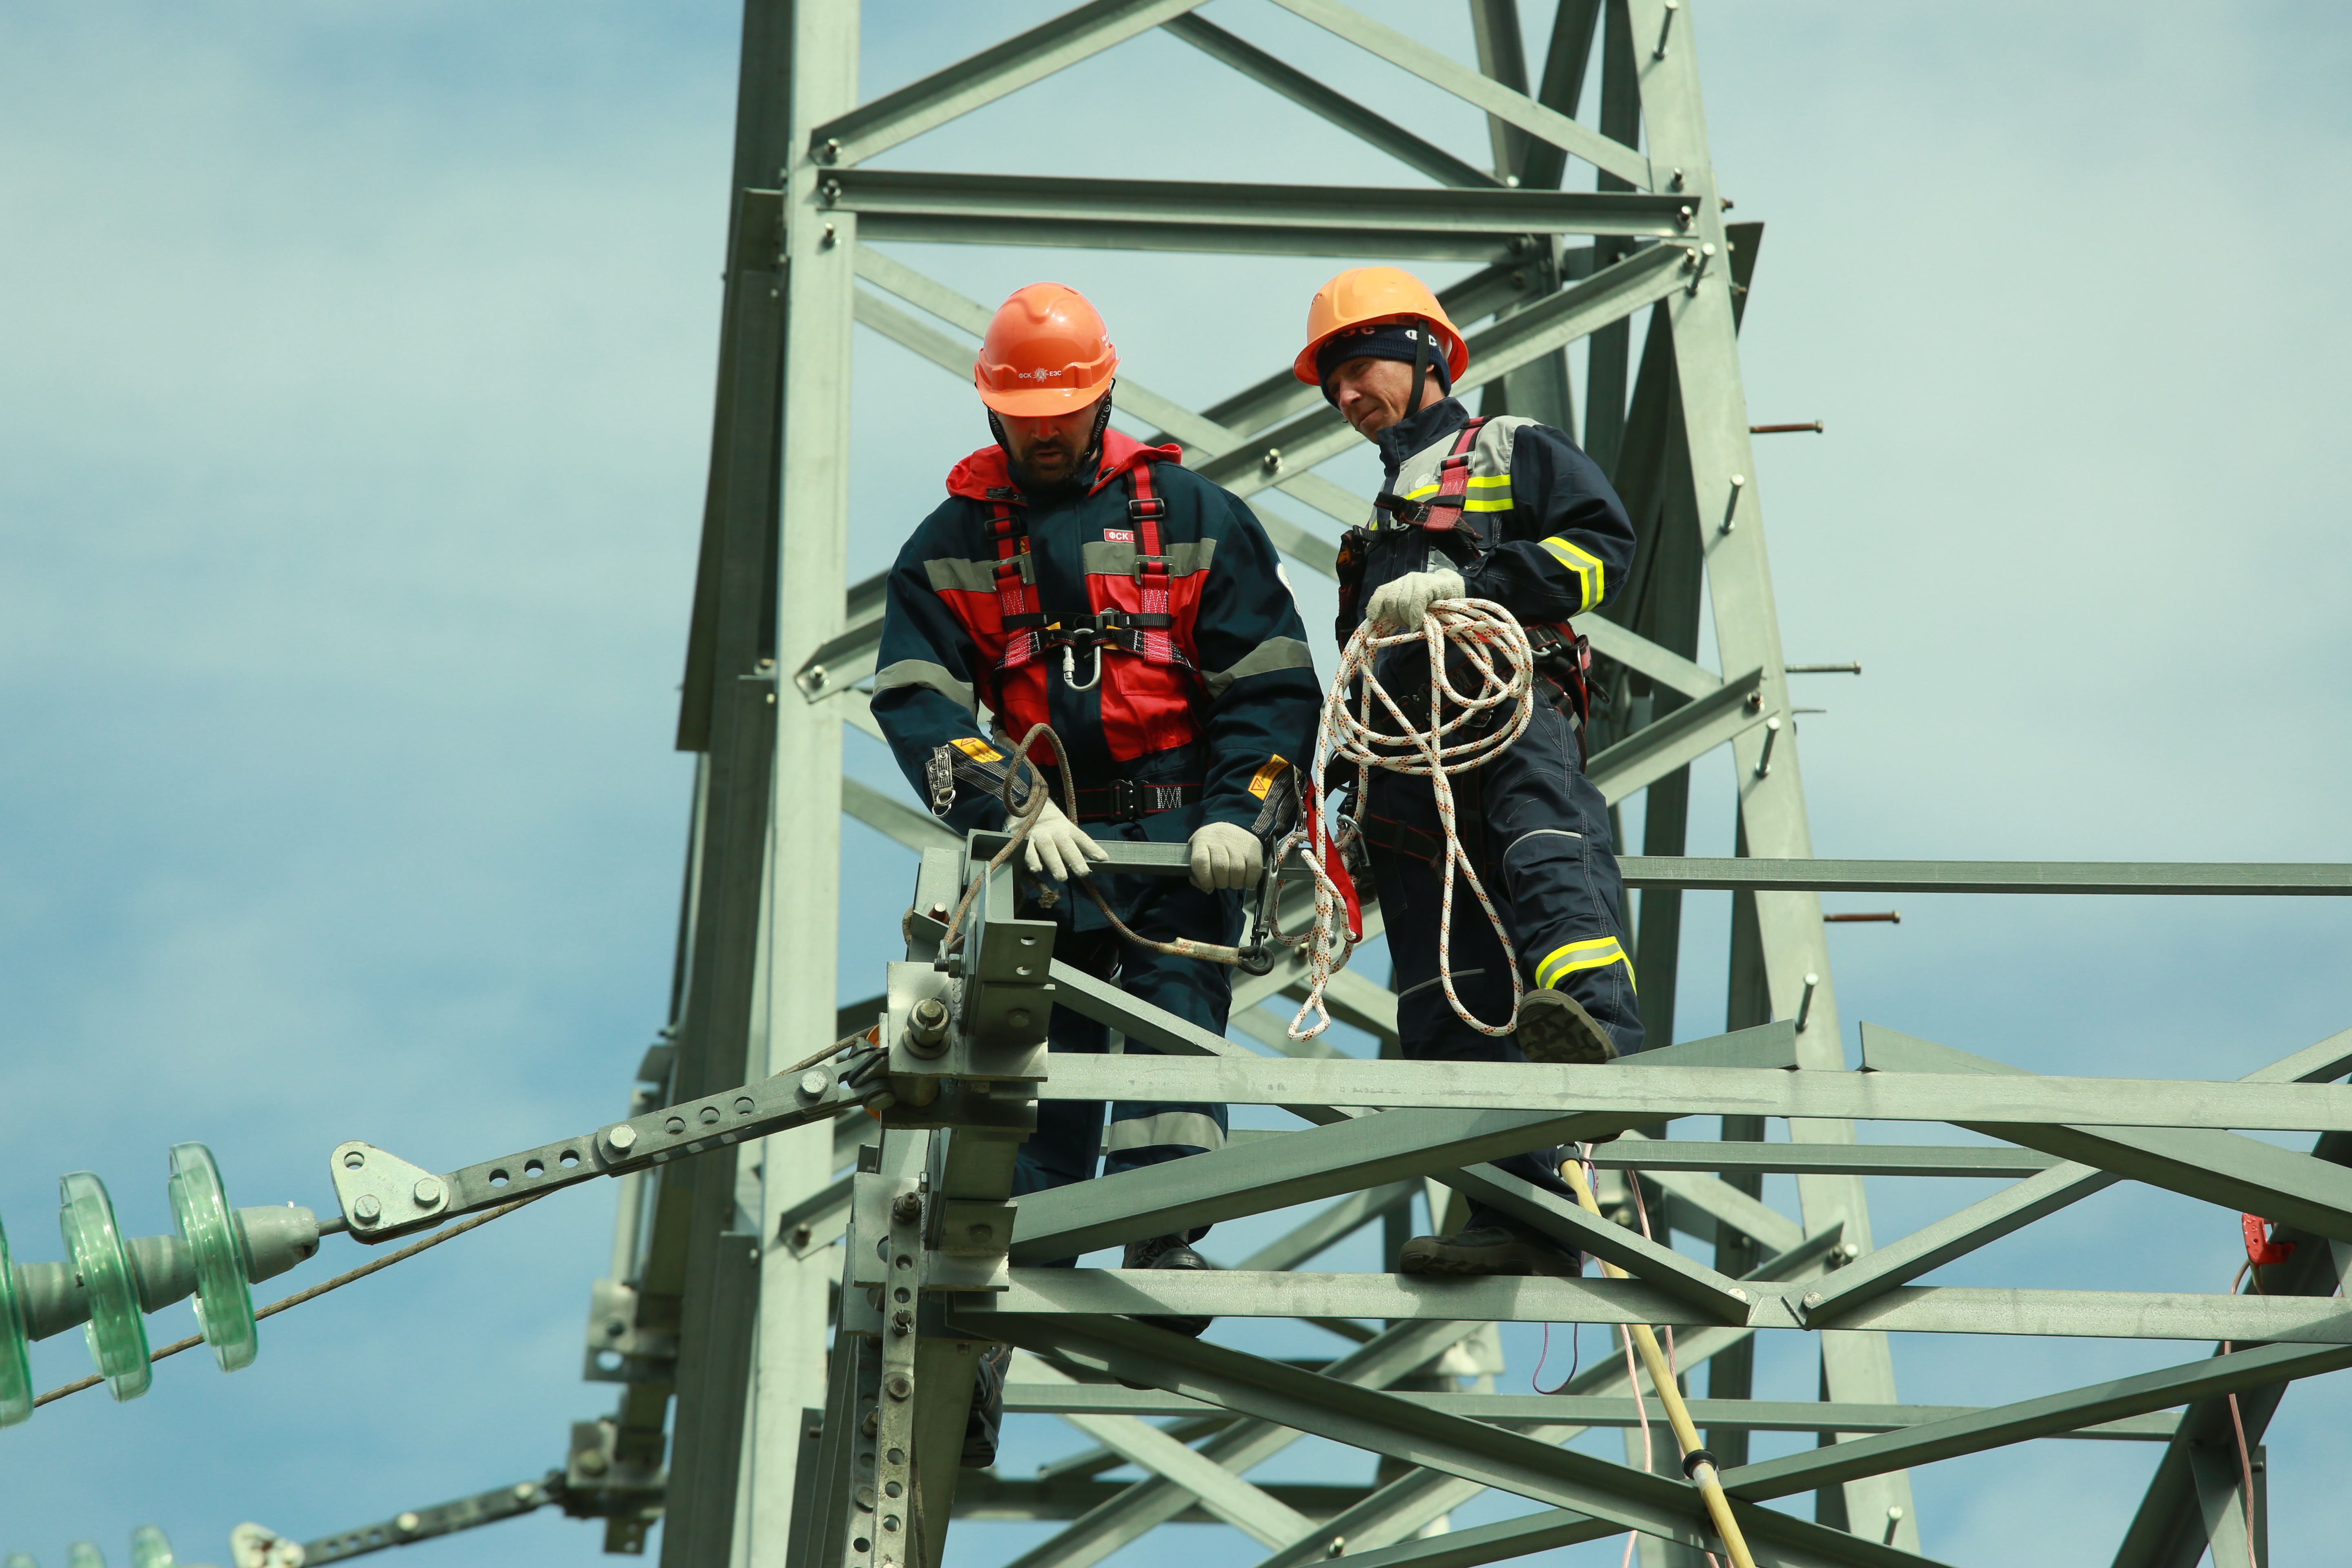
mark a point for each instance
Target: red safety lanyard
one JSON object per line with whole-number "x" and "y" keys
{"x": 1016, "y": 596}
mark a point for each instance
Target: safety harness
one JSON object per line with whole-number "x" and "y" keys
{"x": 1148, "y": 634}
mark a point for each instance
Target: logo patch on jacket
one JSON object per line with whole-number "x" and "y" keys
{"x": 1119, "y": 536}
{"x": 1263, "y": 779}
{"x": 978, "y": 751}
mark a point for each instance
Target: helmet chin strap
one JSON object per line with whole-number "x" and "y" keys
{"x": 1087, "y": 458}
{"x": 1420, "y": 365}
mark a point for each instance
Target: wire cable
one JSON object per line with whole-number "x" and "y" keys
{"x": 315, "y": 1291}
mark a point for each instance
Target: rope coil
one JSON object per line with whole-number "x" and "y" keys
{"x": 1461, "y": 733}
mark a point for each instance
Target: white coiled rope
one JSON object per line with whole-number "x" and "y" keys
{"x": 1496, "y": 647}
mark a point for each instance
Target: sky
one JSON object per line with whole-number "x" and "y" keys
{"x": 355, "y": 378}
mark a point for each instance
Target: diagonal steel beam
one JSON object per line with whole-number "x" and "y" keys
{"x": 2219, "y": 1167}
{"x": 1441, "y": 70}
{"x": 1804, "y": 875}
{"x": 1400, "y": 1351}
{"x": 981, "y": 79}
{"x": 1414, "y": 1499}
{"x": 1679, "y": 739}
{"x": 1367, "y": 1418}
{"x": 1549, "y": 323}
{"x": 1223, "y": 1492}
{"x": 1310, "y": 93}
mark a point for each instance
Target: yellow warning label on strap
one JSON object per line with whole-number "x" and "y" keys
{"x": 977, "y": 749}
{"x": 1263, "y": 779}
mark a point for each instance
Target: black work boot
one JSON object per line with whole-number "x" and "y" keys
{"x": 987, "y": 1417}
{"x": 1168, "y": 1252}
{"x": 1480, "y": 1249}
{"x": 1555, "y": 1029}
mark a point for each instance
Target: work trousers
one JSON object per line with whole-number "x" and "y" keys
{"x": 1538, "y": 831}
{"x": 1142, "y": 1132}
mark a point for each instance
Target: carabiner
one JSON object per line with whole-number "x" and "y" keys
{"x": 1070, "y": 668}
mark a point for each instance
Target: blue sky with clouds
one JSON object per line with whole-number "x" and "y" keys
{"x": 355, "y": 375}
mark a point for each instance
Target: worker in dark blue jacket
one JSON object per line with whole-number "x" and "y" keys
{"x": 1509, "y": 511}
{"x": 1075, "y": 577}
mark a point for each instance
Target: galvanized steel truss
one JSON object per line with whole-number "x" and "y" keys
{"x": 782, "y": 1452}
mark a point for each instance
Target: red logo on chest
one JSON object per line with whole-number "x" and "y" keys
{"x": 1119, "y": 536}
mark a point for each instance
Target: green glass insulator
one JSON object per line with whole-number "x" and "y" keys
{"x": 116, "y": 1332}
{"x": 15, "y": 1363}
{"x": 150, "y": 1548}
{"x": 85, "y": 1553}
{"x": 215, "y": 1240}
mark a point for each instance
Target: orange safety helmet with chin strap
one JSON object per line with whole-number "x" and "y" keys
{"x": 1364, "y": 296}
{"x": 1047, "y": 352}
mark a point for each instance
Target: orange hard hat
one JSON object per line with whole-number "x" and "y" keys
{"x": 1046, "y": 351}
{"x": 1362, "y": 295}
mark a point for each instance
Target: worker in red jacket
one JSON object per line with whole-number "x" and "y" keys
{"x": 1075, "y": 577}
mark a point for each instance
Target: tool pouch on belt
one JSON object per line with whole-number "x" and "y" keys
{"x": 1355, "y": 549}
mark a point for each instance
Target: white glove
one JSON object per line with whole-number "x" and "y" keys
{"x": 1404, "y": 601}
{"x": 1057, "y": 849}
{"x": 1225, "y": 856}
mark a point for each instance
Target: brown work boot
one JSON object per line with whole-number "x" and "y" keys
{"x": 1554, "y": 1028}
{"x": 1483, "y": 1250}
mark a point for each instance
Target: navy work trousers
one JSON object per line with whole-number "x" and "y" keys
{"x": 1069, "y": 1133}
{"x": 1538, "y": 831}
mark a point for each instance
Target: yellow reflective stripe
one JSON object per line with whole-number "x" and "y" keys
{"x": 1476, "y": 483}
{"x": 1590, "y": 573}
{"x": 1598, "y": 953}
{"x": 1497, "y": 503}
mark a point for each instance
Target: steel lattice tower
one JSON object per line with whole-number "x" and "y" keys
{"x": 768, "y": 1456}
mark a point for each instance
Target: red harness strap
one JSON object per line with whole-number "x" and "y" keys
{"x": 1445, "y": 509}
{"x": 1155, "y": 641}
{"x": 1016, "y": 597}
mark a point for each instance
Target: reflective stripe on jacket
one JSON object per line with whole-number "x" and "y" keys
{"x": 1553, "y": 538}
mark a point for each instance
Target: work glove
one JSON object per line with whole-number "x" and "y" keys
{"x": 1225, "y": 856}
{"x": 1057, "y": 849}
{"x": 1404, "y": 601}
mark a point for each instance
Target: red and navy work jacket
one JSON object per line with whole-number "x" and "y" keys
{"x": 1145, "y": 619}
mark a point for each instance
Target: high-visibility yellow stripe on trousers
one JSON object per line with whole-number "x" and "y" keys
{"x": 1598, "y": 953}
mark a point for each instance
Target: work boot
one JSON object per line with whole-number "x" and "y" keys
{"x": 1483, "y": 1249}
{"x": 987, "y": 1417}
{"x": 1168, "y": 1252}
{"x": 1554, "y": 1028}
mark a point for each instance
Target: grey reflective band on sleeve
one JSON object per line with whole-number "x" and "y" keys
{"x": 949, "y": 575}
{"x": 1275, "y": 653}
{"x": 931, "y": 677}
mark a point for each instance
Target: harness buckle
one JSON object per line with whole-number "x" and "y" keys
{"x": 1143, "y": 560}
{"x": 1130, "y": 801}
{"x": 1147, "y": 509}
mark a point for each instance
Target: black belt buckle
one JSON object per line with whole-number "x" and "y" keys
{"x": 1128, "y": 800}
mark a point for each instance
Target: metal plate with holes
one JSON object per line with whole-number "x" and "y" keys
{"x": 382, "y": 1193}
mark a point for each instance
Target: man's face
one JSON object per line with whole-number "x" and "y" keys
{"x": 1372, "y": 393}
{"x": 1047, "y": 447}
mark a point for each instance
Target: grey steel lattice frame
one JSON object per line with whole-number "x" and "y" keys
{"x": 729, "y": 1307}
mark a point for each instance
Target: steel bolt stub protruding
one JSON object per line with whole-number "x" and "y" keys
{"x": 621, "y": 1138}
{"x": 366, "y": 1210}
{"x": 899, "y": 1385}
{"x": 427, "y": 1192}
{"x": 814, "y": 1082}
{"x": 907, "y": 1209}
{"x": 927, "y": 1026}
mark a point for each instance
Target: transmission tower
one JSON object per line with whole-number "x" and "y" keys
{"x": 820, "y": 1390}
